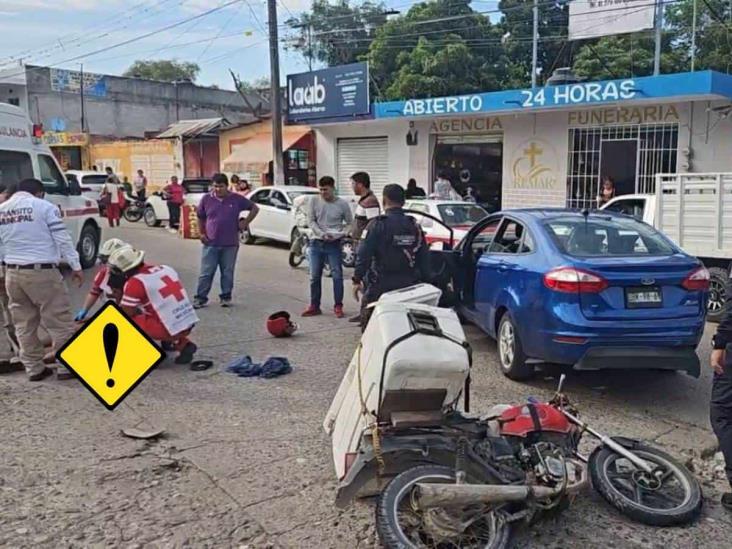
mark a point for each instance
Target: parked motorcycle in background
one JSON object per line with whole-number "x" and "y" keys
{"x": 446, "y": 478}
{"x": 134, "y": 208}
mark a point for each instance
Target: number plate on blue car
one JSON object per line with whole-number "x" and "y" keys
{"x": 643, "y": 297}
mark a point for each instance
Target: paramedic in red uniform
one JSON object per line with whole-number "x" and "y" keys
{"x": 154, "y": 297}
{"x": 101, "y": 284}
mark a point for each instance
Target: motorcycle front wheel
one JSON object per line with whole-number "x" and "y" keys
{"x": 671, "y": 496}
{"x": 295, "y": 259}
{"x": 401, "y": 524}
{"x": 132, "y": 214}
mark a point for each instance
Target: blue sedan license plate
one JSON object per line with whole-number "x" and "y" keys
{"x": 638, "y": 298}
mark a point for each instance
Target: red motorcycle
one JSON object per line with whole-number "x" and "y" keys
{"x": 466, "y": 482}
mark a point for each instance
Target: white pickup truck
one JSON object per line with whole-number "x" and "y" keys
{"x": 22, "y": 155}
{"x": 695, "y": 211}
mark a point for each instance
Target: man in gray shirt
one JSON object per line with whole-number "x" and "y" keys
{"x": 329, "y": 218}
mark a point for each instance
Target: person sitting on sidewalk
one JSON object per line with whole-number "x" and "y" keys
{"x": 101, "y": 283}
{"x": 155, "y": 299}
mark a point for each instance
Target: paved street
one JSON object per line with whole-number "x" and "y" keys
{"x": 245, "y": 461}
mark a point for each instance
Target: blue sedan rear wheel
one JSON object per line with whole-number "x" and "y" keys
{"x": 511, "y": 357}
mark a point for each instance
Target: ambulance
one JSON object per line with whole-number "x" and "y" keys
{"x": 23, "y": 155}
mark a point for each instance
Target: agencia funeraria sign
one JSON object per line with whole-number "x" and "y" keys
{"x": 593, "y": 18}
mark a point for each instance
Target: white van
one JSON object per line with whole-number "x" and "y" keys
{"x": 22, "y": 155}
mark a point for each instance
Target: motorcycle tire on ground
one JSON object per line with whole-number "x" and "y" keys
{"x": 349, "y": 254}
{"x": 677, "y": 500}
{"x": 398, "y": 492}
{"x": 133, "y": 215}
{"x": 295, "y": 259}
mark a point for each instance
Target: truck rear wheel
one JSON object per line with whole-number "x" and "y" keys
{"x": 88, "y": 246}
{"x": 717, "y": 293}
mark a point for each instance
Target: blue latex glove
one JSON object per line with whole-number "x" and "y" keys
{"x": 80, "y": 315}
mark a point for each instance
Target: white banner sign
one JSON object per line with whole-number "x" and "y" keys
{"x": 593, "y": 18}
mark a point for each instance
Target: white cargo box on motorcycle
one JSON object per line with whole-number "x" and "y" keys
{"x": 413, "y": 359}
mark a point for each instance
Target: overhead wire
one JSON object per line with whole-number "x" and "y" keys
{"x": 142, "y": 36}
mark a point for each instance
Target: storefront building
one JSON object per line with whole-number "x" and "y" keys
{"x": 246, "y": 151}
{"x": 542, "y": 147}
{"x": 158, "y": 158}
{"x": 70, "y": 149}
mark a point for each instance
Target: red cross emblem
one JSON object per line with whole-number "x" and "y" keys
{"x": 172, "y": 287}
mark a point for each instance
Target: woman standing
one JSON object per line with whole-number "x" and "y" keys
{"x": 240, "y": 186}
{"x": 111, "y": 195}
{"x": 607, "y": 191}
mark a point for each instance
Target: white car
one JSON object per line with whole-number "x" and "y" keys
{"x": 276, "y": 219}
{"x": 156, "y": 207}
{"x": 459, "y": 216}
{"x": 91, "y": 183}
{"x": 22, "y": 155}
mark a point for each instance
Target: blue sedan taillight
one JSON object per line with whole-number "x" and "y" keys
{"x": 574, "y": 281}
{"x": 698, "y": 280}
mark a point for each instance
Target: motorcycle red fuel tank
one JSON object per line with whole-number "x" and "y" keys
{"x": 519, "y": 421}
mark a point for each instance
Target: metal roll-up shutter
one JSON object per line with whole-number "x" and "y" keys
{"x": 369, "y": 155}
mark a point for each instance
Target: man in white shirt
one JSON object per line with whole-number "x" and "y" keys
{"x": 35, "y": 241}
{"x": 140, "y": 184}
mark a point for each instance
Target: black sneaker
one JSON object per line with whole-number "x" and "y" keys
{"x": 727, "y": 501}
{"x": 198, "y": 303}
{"x": 226, "y": 302}
{"x": 43, "y": 374}
{"x": 186, "y": 354}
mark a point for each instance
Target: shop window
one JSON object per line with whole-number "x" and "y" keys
{"x": 631, "y": 155}
{"x": 297, "y": 159}
{"x": 14, "y": 101}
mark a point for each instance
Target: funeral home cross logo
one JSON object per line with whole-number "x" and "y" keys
{"x": 534, "y": 165}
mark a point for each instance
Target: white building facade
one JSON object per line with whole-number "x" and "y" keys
{"x": 541, "y": 147}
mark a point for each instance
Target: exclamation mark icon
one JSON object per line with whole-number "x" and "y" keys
{"x": 111, "y": 339}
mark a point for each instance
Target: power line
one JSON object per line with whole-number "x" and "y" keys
{"x": 83, "y": 40}
{"x": 142, "y": 36}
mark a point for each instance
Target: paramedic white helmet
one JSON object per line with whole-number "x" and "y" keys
{"x": 109, "y": 247}
{"x": 125, "y": 259}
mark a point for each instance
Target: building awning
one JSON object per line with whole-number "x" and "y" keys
{"x": 193, "y": 128}
{"x": 255, "y": 153}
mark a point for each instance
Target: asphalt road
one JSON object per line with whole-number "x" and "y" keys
{"x": 245, "y": 463}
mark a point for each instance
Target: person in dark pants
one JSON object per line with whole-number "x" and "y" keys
{"x": 721, "y": 402}
{"x": 392, "y": 255}
{"x": 219, "y": 223}
{"x": 175, "y": 198}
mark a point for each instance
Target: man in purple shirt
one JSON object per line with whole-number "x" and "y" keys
{"x": 219, "y": 223}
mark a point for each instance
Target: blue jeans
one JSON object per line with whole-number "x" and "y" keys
{"x": 212, "y": 258}
{"x": 320, "y": 252}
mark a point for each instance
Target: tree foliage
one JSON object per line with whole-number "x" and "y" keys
{"x": 336, "y": 33}
{"x": 447, "y": 47}
{"x": 163, "y": 70}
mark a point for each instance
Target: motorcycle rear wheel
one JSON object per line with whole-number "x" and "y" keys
{"x": 674, "y": 499}
{"x": 132, "y": 214}
{"x": 400, "y": 524}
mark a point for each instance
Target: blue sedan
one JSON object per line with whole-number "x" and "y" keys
{"x": 591, "y": 290}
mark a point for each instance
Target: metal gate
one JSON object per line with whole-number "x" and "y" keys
{"x": 657, "y": 149}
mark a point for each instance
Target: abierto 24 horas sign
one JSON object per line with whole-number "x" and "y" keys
{"x": 336, "y": 92}
{"x": 670, "y": 86}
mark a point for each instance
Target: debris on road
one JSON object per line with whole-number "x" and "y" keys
{"x": 133, "y": 432}
{"x": 273, "y": 366}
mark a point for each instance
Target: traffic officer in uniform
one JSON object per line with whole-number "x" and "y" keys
{"x": 721, "y": 402}
{"x": 7, "y": 320}
{"x": 35, "y": 241}
{"x": 392, "y": 254}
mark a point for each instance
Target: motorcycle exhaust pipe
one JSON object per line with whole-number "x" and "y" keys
{"x": 460, "y": 495}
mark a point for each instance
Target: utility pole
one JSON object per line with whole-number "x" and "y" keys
{"x": 535, "y": 44}
{"x": 693, "y": 37}
{"x": 276, "y": 100}
{"x": 81, "y": 94}
{"x": 310, "y": 47}
{"x": 659, "y": 29}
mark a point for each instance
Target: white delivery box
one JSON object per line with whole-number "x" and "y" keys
{"x": 419, "y": 293}
{"x": 423, "y": 371}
